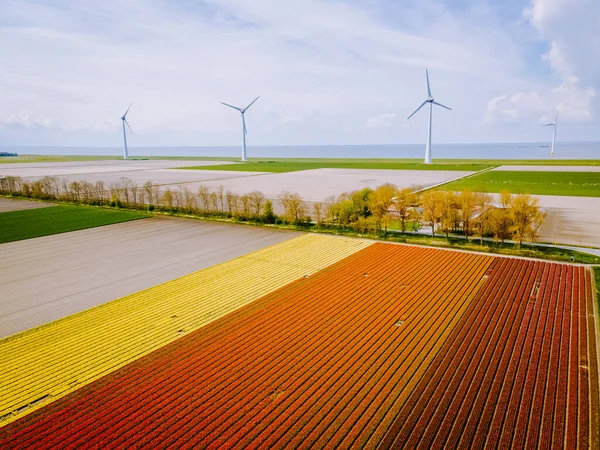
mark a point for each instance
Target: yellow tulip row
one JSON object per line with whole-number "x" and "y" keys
{"x": 43, "y": 364}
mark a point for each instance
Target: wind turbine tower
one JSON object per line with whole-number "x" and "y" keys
{"x": 553, "y": 124}
{"x": 244, "y": 131}
{"x": 124, "y": 120}
{"x": 431, "y": 102}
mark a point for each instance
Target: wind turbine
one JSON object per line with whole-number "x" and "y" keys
{"x": 431, "y": 102}
{"x": 244, "y": 131}
{"x": 124, "y": 119}
{"x": 553, "y": 124}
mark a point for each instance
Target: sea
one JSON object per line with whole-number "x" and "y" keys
{"x": 563, "y": 150}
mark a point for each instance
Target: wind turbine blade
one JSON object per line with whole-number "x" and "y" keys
{"x": 439, "y": 104}
{"x": 231, "y": 106}
{"x": 244, "y": 124}
{"x": 556, "y": 119}
{"x": 125, "y": 120}
{"x": 548, "y": 125}
{"x": 246, "y": 108}
{"x": 428, "y": 88}
{"x": 125, "y": 115}
{"x": 422, "y": 104}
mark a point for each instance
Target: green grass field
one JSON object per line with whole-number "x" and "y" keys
{"x": 292, "y": 165}
{"x": 18, "y": 225}
{"x": 574, "y": 184}
{"x": 296, "y": 164}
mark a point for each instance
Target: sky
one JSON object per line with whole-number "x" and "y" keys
{"x": 327, "y": 71}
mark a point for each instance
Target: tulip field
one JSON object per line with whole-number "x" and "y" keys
{"x": 319, "y": 342}
{"x": 46, "y": 363}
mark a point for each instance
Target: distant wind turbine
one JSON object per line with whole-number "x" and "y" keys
{"x": 553, "y": 124}
{"x": 431, "y": 102}
{"x": 244, "y": 131}
{"x": 124, "y": 119}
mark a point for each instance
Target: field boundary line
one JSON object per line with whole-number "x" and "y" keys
{"x": 455, "y": 179}
{"x": 595, "y": 330}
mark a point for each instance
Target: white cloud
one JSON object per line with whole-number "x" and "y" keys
{"x": 571, "y": 28}
{"x": 573, "y": 102}
{"x": 24, "y": 120}
{"x": 381, "y": 121}
{"x": 318, "y": 66}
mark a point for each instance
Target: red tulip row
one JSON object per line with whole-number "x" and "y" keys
{"x": 313, "y": 363}
{"x": 510, "y": 375}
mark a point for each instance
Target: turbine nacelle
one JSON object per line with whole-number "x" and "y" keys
{"x": 244, "y": 130}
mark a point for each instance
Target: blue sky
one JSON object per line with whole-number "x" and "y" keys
{"x": 328, "y": 72}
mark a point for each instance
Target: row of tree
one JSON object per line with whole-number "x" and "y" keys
{"x": 465, "y": 213}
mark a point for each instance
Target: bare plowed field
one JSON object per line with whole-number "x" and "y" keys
{"x": 47, "y": 278}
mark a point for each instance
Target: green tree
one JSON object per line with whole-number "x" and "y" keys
{"x": 269, "y": 216}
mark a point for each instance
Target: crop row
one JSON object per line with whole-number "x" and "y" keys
{"x": 53, "y": 360}
{"x": 515, "y": 371}
{"x": 325, "y": 361}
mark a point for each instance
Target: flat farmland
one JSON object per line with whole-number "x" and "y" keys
{"x": 35, "y": 222}
{"x": 317, "y": 185}
{"x": 571, "y": 220}
{"x": 50, "y": 277}
{"x": 573, "y": 184}
{"x": 519, "y": 371}
{"x": 40, "y": 169}
{"x": 390, "y": 346}
{"x": 46, "y": 363}
{"x": 9, "y": 204}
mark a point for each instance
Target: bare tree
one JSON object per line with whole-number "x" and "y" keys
{"x": 152, "y": 193}
{"x": 232, "y": 202}
{"x": 483, "y": 214}
{"x": 331, "y": 209}
{"x": 246, "y": 205}
{"x": 294, "y": 206}
{"x": 404, "y": 202}
{"x": 167, "y": 198}
{"x": 190, "y": 201}
{"x": 502, "y": 219}
{"x": 448, "y": 211}
{"x": 318, "y": 212}
{"x": 204, "y": 195}
{"x": 380, "y": 202}
{"x": 75, "y": 189}
{"x": 466, "y": 203}
{"x": 526, "y": 216}
{"x": 221, "y": 198}
{"x": 257, "y": 200}
{"x": 431, "y": 201}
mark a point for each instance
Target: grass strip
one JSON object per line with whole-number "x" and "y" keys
{"x": 284, "y": 165}
{"x": 27, "y": 224}
{"x": 574, "y": 184}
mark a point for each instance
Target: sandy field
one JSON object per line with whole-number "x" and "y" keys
{"x": 47, "y": 278}
{"x": 571, "y": 220}
{"x": 549, "y": 168}
{"x": 316, "y": 185}
{"x": 156, "y": 176}
{"x": 7, "y": 204}
{"x": 87, "y": 167}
